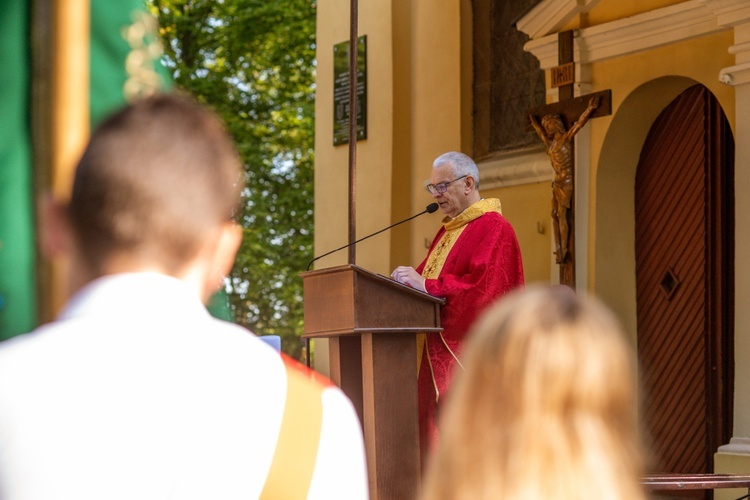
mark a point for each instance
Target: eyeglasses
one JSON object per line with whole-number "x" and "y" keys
{"x": 443, "y": 186}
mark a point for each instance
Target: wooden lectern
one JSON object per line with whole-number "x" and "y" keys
{"x": 371, "y": 322}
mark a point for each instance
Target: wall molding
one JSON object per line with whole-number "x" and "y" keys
{"x": 665, "y": 26}
{"x": 736, "y": 446}
{"x": 729, "y": 13}
{"x": 551, "y": 15}
{"x": 527, "y": 168}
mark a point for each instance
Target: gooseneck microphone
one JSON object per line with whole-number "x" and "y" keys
{"x": 431, "y": 208}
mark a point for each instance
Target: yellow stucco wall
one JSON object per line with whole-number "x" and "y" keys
{"x": 373, "y": 155}
{"x": 642, "y": 86}
{"x": 527, "y": 207}
{"x": 373, "y": 164}
{"x": 419, "y": 106}
{"x": 414, "y": 114}
{"x": 436, "y": 103}
{"x": 731, "y": 463}
{"x": 610, "y": 10}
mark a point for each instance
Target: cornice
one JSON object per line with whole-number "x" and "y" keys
{"x": 550, "y": 16}
{"x": 734, "y": 14}
{"x": 523, "y": 169}
{"x": 729, "y": 13}
{"x": 659, "y": 27}
{"x": 736, "y": 446}
{"x": 735, "y": 75}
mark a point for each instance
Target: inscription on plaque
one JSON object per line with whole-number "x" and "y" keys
{"x": 341, "y": 91}
{"x": 564, "y": 74}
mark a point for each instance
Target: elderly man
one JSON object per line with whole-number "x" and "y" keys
{"x": 474, "y": 259}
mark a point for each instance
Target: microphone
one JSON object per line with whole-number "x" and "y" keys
{"x": 431, "y": 208}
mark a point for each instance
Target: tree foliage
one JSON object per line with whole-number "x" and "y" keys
{"x": 253, "y": 62}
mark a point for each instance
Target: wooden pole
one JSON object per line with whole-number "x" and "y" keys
{"x": 566, "y": 93}
{"x": 353, "y": 105}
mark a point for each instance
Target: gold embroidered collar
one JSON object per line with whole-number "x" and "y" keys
{"x": 472, "y": 212}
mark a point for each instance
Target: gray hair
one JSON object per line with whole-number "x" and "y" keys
{"x": 461, "y": 163}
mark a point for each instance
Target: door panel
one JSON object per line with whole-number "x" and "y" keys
{"x": 684, "y": 229}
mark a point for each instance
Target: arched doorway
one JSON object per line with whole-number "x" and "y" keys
{"x": 684, "y": 291}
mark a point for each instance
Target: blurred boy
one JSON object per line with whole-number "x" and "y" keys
{"x": 135, "y": 391}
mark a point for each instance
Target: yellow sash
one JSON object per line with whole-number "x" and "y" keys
{"x": 297, "y": 447}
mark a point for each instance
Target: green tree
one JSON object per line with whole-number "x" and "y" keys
{"x": 253, "y": 62}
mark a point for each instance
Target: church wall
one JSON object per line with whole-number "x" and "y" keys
{"x": 608, "y": 10}
{"x": 528, "y": 207}
{"x": 441, "y": 121}
{"x": 735, "y": 456}
{"x": 373, "y": 202}
{"x": 373, "y": 154}
{"x": 418, "y": 104}
{"x": 402, "y": 172}
{"x": 643, "y": 83}
{"x": 742, "y": 245}
{"x": 414, "y": 115}
{"x": 642, "y": 86}
{"x": 436, "y": 104}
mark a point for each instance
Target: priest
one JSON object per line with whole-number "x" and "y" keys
{"x": 474, "y": 259}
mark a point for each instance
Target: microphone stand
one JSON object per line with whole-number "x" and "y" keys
{"x": 430, "y": 209}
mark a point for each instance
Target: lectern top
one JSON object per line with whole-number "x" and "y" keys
{"x": 385, "y": 279}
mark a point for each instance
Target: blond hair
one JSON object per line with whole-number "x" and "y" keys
{"x": 546, "y": 407}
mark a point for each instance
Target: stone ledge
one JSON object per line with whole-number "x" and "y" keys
{"x": 736, "y": 446}
{"x": 527, "y": 168}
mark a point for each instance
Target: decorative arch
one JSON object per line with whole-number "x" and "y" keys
{"x": 614, "y": 245}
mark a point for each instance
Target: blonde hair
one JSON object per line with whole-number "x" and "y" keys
{"x": 546, "y": 406}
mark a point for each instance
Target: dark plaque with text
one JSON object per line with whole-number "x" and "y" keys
{"x": 341, "y": 91}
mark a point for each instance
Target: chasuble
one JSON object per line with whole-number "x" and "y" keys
{"x": 473, "y": 260}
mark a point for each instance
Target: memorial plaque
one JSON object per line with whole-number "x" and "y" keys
{"x": 341, "y": 91}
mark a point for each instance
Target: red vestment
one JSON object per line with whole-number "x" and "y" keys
{"x": 483, "y": 263}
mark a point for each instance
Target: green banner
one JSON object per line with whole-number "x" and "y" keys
{"x": 125, "y": 55}
{"x": 17, "y": 248}
{"x": 124, "y": 63}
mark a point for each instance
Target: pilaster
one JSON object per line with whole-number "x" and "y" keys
{"x": 735, "y": 14}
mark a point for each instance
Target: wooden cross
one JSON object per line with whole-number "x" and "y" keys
{"x": 556, "y": 125}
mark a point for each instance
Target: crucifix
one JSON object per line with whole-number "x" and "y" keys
{"x": 557, "y": 127}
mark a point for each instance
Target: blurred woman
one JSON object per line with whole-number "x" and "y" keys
{"x": 546, "y": 406}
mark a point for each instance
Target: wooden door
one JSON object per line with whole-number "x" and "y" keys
{"x": 684, "y": 268}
